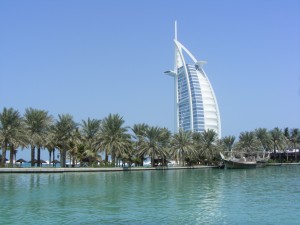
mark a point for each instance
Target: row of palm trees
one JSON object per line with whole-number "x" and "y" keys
{"x": 84, "y": 142}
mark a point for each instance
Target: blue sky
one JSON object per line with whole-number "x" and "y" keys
{"x": 91, "y": 58}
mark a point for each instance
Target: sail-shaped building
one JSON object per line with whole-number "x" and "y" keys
{"x": 196, "y": 107}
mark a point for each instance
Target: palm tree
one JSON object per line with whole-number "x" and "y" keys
{"x": 19, "y": 141}
{"x": 263, "y": 136}
{"x": 74, "y": 145}
{"x": 287, "y": 137}
{"x": 63, "y": 130}
{"x": 165, "y": 144}
{"x": 286, "y": 133}
{"x": 50, "y": 144}
{"x": 139, "y": 136}
{"x": 182, "y": 143}
{"x": 277, "y": 139}
{"x": 228, "y": 142}
{"x": 113, "y": 137}
{"x": 208, "y": 143}
{"x": 90, "y": 130}
{"x": 156, "y": 143}
{"x": 37, "y": 125}
{"x": 11, "y": 132}
{"x": 247, "y": 142}
{"x": 295, "y": 139}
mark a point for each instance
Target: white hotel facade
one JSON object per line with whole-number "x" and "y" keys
{"x": 196, "y": 107}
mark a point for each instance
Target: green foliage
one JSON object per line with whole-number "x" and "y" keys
{"x": 156, "y": 143}
{"x": 114, "y": 137}
{"x": 110, "y": 136}
{"x": 37, "y": 125}
{"x": 12, "y": 132}
{"x": 182, "y": 146}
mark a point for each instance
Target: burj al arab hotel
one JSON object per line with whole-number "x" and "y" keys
{"x": 196, "y": 107}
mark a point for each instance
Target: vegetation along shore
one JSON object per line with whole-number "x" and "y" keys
{"x": 108, "y": 142}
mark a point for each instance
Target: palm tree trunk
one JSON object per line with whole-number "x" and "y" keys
{"x": 294, "y": 147}
{"x": 275, "y": 153}
{"x": 11, "y": 155}
{"x": 70, "y": 160}
{"x": 142, "y": 160}
{"x": 50, "y": 158}
{"x": 152, "y": 159}
{"x": 73, "y": 161}
{"x": 113, "y": 159}
{"x": 39, "y": 156}
{"x": 4, "y": 146}
{"x": 63, "y": 158}
{"x": 32, "y": 154}
{"x": 182, "y": 157}
{"x": 106, "y": 157}
{"x": 15, "y": 154}
{"x": 53, "y": 156}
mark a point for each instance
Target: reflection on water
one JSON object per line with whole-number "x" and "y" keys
{"x": 202, "y": 196}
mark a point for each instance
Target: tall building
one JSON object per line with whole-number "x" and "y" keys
{"x": 196, "y": 106}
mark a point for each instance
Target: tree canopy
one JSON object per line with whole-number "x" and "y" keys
{"x": 86, "y": 142}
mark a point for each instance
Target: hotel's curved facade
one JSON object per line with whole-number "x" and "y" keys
{"x": 196, "y": 106}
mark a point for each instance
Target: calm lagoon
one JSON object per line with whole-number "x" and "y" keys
{"x": 201, "y": 196}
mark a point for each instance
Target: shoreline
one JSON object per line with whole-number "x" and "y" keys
{"x": 111, "y": 169}
{"x": 282, "y": 164}
{"x": 93, "y": 169}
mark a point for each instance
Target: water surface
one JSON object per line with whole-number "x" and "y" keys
{"x": 202, "y": 196}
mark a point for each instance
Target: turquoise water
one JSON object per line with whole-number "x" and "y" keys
{"x": 202, "y": 196}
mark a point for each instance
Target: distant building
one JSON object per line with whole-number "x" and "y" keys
{"x": 196, "y": 106}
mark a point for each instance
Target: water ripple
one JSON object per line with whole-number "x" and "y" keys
{"x": 203, "y": 196}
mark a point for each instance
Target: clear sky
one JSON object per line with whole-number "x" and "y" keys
{"x": 91, "y": 58}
